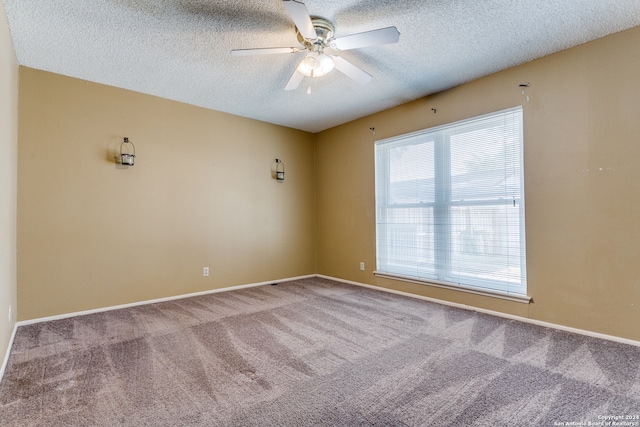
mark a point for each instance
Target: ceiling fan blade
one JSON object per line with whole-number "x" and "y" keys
{"x": 351, "y": 70}
{"x": 264, "y": 51}
{"x": 295, "y": 80}
{"x": 368, "y": 38}
{"x": 300, "y": 16}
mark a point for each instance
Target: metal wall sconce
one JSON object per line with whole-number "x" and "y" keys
{"x": 279, "y": 173}
{"x": 127, "y": 156}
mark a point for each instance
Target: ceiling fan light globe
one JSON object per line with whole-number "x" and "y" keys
{"x": 311, "y": 60}
{"x": 305, "y": 70}
{"x": 309, "y": 64}
{"x": 325, "y": 65}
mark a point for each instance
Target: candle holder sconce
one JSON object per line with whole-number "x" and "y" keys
{"x": 279, "y": 170}
{"x": 127, "y": 155}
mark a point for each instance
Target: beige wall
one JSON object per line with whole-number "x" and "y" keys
{"x": 93, "y": 234}
{"x": 582, "y": 179}
{"x": 8, "y": 177}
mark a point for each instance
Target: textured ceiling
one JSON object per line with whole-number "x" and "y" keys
{"x": 180, "y": 49}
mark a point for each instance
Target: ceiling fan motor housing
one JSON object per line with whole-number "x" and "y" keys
{"x": 324, "y": 30}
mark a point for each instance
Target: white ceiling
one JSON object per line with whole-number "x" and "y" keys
{"x": 180, "y": 49}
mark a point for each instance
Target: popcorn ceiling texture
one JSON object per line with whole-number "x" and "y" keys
{"x": 180, "y": 50}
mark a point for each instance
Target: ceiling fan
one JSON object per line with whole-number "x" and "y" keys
{"x": 316, "y": 34}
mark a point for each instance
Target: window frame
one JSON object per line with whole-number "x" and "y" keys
{"x": 441, "y": 207}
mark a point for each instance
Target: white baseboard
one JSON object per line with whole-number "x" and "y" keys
{"x": 153, "y": 301}
{"x": 5, "y": 360}
{"x": 493, "y": 313}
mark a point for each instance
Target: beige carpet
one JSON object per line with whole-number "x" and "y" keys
{"x": 311, "y": 352}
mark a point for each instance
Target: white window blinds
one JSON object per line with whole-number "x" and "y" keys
{"x": 450, "y": 206}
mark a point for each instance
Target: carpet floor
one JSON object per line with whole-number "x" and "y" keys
{"x": 308, "y": 353}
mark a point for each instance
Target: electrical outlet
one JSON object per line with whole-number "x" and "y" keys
{"x": 362, "y": 266}
{"x": 205, "y": 272}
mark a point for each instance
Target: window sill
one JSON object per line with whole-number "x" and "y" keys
{"x": 461, "y": 288}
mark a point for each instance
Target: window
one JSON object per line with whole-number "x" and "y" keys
{"x": 450, "y": 206}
